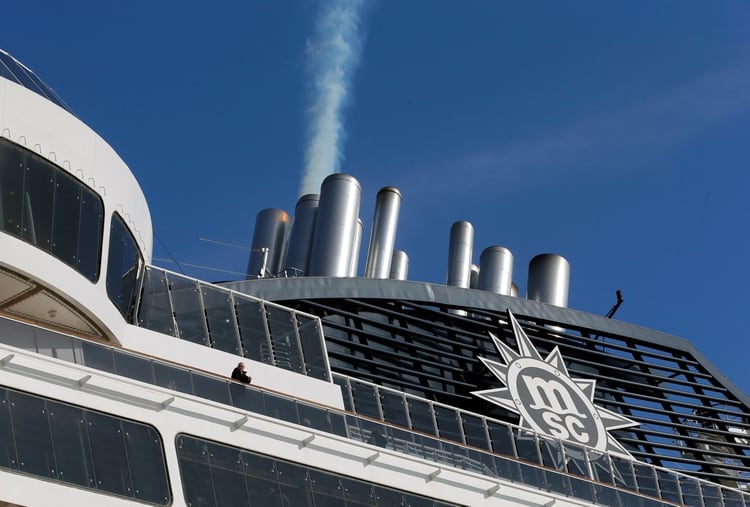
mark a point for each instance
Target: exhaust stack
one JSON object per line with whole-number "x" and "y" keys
{"x": 271, "y": 228}
{"x": 335, "y": 226}
{"x": 496, "y": 270}
{"x": 383, "y": 235}
{"x": 399, "y": 266}
{"x": 459, "y": 254}
{"x": 355, "y": 249}
{"x": 549, "y": 280}
{"x": 300, "y": 239}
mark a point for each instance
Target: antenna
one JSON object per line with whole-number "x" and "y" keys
{"x": 611, "y": 312}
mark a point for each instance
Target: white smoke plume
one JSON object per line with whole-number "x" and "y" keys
{"x": 333, "y": 54}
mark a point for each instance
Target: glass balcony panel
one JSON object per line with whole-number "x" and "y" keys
{"x": 343, "y": 382}
{"x": 311, "y": 337}
{"x": 32, "y": 434}
{"x": 134, "y": 367}
{"x": 354, "y": 428}
{"x": 448, "y": 423}
{"x": 186, "y": 305}
{"x": 173, "y": 378}
{"x": 711, "y": 494}
{"x": 246, "y": 398}
{"x": 732, "y": 498}
{"x": 526, "y": 446}
{"x": 601, "y": 467}
{"x": 645, "y": 479}
{"x": 581, "y": 488}
{"x": 394, "y": 408}
{"x": 365, "y": 399}
{"x": 211, "y": 388}
{"x": 475, "y": 431}
{"x": 623, "y": 473}
{"x": 154, "y": 309}
{"x": 70, "y": 444}
{"x": 253, "y": 329}
{"x": 576, "y": 460}
{"x": 221, "y": 321}
{"x": 338, "y": 424}
{"x": 606, "y": 495}
{"x": 422, "y": 417}
{"x": 691, "y": 491}
{"x": 281, "y": 408}
{"x": 401, "y": 440}
{"x": 22, "y": 76}
{"x": 668, "y": 486}
{"x": 286, "y": 348}
{"x": 314, "y": 417}
{"x": 501, "y": 439}
{"x": 552, "y": 454}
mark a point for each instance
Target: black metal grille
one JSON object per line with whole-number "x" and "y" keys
{"x": 688, "y": 420}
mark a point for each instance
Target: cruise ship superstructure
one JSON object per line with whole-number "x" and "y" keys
{"x": 367, "y": 388}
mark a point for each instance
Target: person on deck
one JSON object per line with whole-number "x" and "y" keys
{"x": 240, "y": 374}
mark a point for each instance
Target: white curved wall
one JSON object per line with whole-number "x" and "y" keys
{"x": 36, "y": 123}
{"x": 45, "y": 128}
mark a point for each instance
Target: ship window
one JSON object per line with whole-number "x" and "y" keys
{"x": 69, "y": 444}
{"x": 218, "y": 474}
{"x": 123, "y": 267}
{"x": 50, "y": 209}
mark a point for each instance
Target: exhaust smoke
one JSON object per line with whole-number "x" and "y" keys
{"x": 333, "y": 54}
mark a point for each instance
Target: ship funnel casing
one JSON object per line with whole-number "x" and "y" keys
{"x": 271, "y": 230}
{"x": 549, "y": 279}
{"x": 355, "y": 248}
{"x": 459, "y": 254}
{"x": 383, "y": 236}
{"x": 473, "y": 276}
{"x": 335, "y": 226}
{"x": 399, "y": 265}
{"x": 300, "y": 239}
{"x": 496, "y": 270}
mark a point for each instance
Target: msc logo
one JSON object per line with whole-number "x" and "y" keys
{"x": 548, "y": 400}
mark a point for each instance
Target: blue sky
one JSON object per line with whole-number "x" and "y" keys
{"x": 614, "y": 134}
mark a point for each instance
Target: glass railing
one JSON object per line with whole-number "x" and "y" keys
{"x": 489, "y": 447}
{"x": 223, "y": 319}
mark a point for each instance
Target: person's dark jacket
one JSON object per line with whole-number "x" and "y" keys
{"x": 240, "y": 375}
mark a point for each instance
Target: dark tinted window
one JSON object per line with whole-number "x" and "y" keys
{"x": 123, "y": 266}
{"x": 61, "y": 442}
{"x": 49, "y": 208}
{"x": 217, "y": 474}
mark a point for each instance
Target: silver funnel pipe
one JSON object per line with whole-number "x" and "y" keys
{"x": 269, "y": 243}
{"x": 300, "y": 239}
{"x": 335, "y": 226}
{"x": 473, "y": 276}
{"x": 459, "y": 254}
{"x": 549, "y": 279}
{"x": 399, "y": 266}
{"x": 355, "y": 249}
{"x": 383, "y": 235}
{"x": 496, "y": 270}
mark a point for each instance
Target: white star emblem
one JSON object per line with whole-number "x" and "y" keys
{"x": 547, "y": 399}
